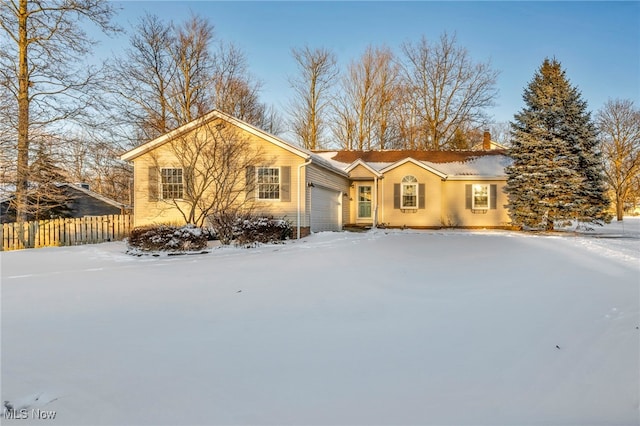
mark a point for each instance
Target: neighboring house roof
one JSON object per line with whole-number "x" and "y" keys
{"x": 219, "y": 115}
{"x": 492, "y": 145}
{"x": 79, "y": 188}
{"x": 82, "y": 201}
{"x": 446, "y": 164}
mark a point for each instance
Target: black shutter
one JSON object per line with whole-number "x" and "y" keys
{"x": 285, "y": 183}
{"x": 396, "y": 195}
{"x": 493, "y": 197}
{"x": 153, "y": 184}
{"x": 250, "y": 181}
{"x": 421, "y": 196}
{"x": 467, "y": 193}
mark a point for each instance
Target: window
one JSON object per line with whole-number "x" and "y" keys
{"x": 268, "y": 183}
{"x": 172, "y": 184}
{"x": 409, "y": 193}
{"x": 480, "y": 196}
{"x": 364, "y": 201}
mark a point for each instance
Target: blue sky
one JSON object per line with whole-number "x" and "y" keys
{"x": 598, "y": 43}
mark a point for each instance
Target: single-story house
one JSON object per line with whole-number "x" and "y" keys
{"x": 326, "y": 190}
{"x": 80, "y": 202}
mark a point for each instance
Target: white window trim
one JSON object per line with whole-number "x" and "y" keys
{"x": 257, "y": 194}
{"x": 403, "y": 184}
{"x": 370, "y": 201}
{"x": 473, "y": 197}
{"x": 161, "y": 184}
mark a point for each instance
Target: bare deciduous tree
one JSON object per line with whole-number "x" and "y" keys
{"x": 312, "y": 94}
{"x": 44, "y": 41}
{"x": 501, "y": 132}
{"x": 619, "y": 124}
{"x": 367, "y": 97}
{"x": 180, "y": 72}
{"x": 236, "y": 92}
{"x": 190, "y": 96}
{"x": 141, "y": 82}
{"x": 448, "y": 90}
{"x": 217, "y": 163}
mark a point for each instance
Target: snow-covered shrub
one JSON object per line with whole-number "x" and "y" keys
{"x": 249, "y": 230}
{"x": 167, "y": 238}
{"x": 222, "y": 225}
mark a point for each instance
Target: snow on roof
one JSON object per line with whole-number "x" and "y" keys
{"x": 489, "y": 165}
{"x": 327, "y": 156}
{"x": 450, "y": 163}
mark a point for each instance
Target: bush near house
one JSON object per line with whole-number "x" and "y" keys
{"x": 249, "y": 230}
{"x": 167, "y": 238}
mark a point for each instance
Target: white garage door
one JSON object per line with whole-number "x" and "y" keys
{"x": 326, "y": 210}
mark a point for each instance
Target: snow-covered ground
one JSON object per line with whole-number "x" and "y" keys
{"x": 384, "y": 327}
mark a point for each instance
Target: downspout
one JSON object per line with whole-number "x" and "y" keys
{"x": 382, "y": 205}
{"x": 299, "y": 195}
{"x": 375, "y": 202}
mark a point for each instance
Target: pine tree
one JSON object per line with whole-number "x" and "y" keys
{"x": 47, "y": 199}
{"x": 556, "y": 174}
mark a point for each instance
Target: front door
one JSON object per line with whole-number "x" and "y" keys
{"x": 364, "y": 202}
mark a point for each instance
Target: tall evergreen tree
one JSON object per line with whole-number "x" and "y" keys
{"x": 556, "y": 174}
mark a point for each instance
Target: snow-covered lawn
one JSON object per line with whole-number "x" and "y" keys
{"x": 384, "y": 327}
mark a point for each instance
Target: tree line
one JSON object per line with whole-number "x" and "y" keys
{"x": 60, "y": 112}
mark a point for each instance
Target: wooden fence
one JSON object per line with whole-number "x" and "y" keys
{"x": 65, "y": 232}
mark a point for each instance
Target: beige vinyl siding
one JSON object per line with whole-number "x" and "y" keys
{"x": 148, "y": 211}
{"x": 360, "y": 172}
{"x": 455, "y": 213}
{"x": 278, "y": 157}
{"x": 427, "y": 217}
{"x": 151, "y": 209}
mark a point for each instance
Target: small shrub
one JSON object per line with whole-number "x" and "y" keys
{"x": 167, "y": 238}
{"x": 249, "y": 230}
{"x": 223, "y": 225}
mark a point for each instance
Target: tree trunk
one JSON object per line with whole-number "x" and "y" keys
{"x": 619, "y": 207}
{"x": 22, "y": 178}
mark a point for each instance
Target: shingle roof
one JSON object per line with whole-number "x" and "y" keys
{"x": 450, "y": 163}
{"x": 349, "y": 157}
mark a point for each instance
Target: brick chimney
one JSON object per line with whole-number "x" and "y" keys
{"x": 486, "y": 141}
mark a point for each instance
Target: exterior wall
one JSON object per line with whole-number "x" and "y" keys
{"x": 430, "y": 216}
{"x": 455, "y": 213}
{"x": 327, "y": 179}
{"x": 279, "y": 157}
{"x": 148, "y": 211}
{"x": 360, "y": 172}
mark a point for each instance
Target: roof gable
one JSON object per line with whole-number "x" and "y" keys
{"x": 366, "y": 166}
{"x": 417, "y": 163}
{"x": 201, "y": 121}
